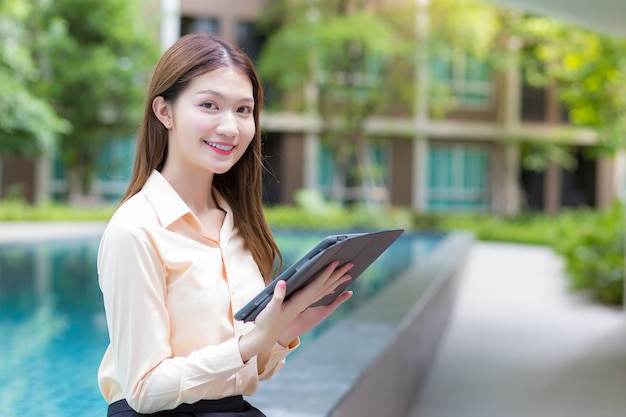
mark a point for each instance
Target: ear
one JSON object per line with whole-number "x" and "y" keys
{"x": 162, "y": 111}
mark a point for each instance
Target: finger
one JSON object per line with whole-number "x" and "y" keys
{"x": 328, "y": 271}
{"x": 344, "y": 268}
{"x": 333, "y": 273}
{"x": 342, "y": 299}
{"x": 338, "y": 277}
{"x": 278, "y": 297}
{"x": 323, "y": 281}
{"x": 327, "y": 310}
{"x": 274, "y": 306}
{"x": 345, "y": 296}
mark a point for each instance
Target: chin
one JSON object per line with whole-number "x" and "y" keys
{"x": 221, "y": 171}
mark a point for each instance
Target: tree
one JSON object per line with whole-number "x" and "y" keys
{"x": 589, "y": 69}
{"x": 346, "y": 66}
{"x": 355, "y": 59}
{"x": 28, "y": 123}
{"x": 94, "y": 56}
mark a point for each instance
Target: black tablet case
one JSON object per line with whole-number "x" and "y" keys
{"x": 359, "y": 248}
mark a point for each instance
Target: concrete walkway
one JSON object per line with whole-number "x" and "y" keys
{"x": 520, "y": 345}
{"x": 31, "y": 231}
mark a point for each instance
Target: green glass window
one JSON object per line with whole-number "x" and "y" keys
{"x": 378, "y": 177}
{"x": 458, "y": 178}
{"x": 113, "y": 170}
{"x": 465, "y": 77}
{"x": 115, "y": 166}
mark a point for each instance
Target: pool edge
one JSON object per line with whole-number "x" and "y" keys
{"x": 374, "y": 361}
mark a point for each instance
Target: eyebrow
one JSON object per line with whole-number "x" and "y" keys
{"x": 218, "y": 94}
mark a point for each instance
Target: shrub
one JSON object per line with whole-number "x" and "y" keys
{"x": 13, "y": 210}
{"x": 590, "y": 241}
{"x": 595, "y": 259}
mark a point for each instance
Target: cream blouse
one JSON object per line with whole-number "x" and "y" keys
{"x": 170, "y": 292}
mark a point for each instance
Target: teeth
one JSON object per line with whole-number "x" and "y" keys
{"x": 220, "y": 147}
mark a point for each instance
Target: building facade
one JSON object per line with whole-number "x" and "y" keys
{"x": 463, "y": 162}
{"x": 466, "y": 161}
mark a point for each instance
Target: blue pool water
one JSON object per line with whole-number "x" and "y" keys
{"x": 52, "y": 326}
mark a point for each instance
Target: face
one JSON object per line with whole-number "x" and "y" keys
{"x": 210, "y": 124}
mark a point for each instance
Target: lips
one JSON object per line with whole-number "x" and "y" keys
{"x": 220, "y": 146}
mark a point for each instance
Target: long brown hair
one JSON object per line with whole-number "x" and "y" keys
{"x": 241, "y": 186}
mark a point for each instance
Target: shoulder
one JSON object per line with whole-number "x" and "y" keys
{"x": 133, "y": 219}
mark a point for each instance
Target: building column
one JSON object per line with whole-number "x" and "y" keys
{"x": 505, "y": 167}
{"x": 419, "y": 174}
{"x": 606, "y": 190}
{"x": 619, "y": 175}
{"x": 419, "y": 183}
{"x": 311, "y": 160}
{"x": 511, "y": 179}
{"x": 43, "y": 178}
{"x": 552, "y": 188}
{"x": 170, "y": 26}
{"x": 510, "y": 119}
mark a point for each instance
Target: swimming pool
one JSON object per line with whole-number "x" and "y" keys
{"x": 52, "y": 326}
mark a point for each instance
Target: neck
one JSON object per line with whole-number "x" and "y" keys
{"x": 194, "y": 189}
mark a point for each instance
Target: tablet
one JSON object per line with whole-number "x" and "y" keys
{"x": 359, "y": 248}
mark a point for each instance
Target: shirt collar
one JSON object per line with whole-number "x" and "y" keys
{"x": 165, "y": 201}
{"x": 169, "y": 207}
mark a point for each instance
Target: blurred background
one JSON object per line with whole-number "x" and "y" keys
{"x": 500, "y": 117}
{"x": 442, "y": 105}
{"x": 504, "y": 118}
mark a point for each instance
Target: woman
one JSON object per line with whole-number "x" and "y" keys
{"x": 189, "y": 246}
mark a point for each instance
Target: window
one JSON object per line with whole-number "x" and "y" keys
{"x": 248, "y": 39}
{"x": 353, "y": 190}
{"x": 350, "y": 65}
{"x": 113, "y": 171}
{"x": 458, "y": 178}
{"x": 114, "y": 168}
{"x": 467, "y": 78}
{"x": 533, "y": 104}
{"x": 199, "y": 25}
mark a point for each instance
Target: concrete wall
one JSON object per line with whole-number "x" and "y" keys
{"x": 373, "y": 362}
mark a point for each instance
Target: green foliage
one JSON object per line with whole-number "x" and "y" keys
{"x": 313, "y": 212}
{"x": 327, "y": 45}
{"x": 590, "y": 241}
{"x": 589, "y": 69}
{"x": 595, "y": 260}
{"x": 28, "y": 123}
{"x": 463, "y": 25}
{"x": 17, "y": 210}
{"x": 94, "y": 57}
{"x": 536, "y": 155}
{"x": 345, "y": 69}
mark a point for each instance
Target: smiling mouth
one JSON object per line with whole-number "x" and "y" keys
{"x": 221, "y": 147}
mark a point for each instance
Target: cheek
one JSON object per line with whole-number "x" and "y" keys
{"x": 247, "y": 131}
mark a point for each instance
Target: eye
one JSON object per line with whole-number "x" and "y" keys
{"x": 245, "y": 109}
{"x": 209, "y": 105}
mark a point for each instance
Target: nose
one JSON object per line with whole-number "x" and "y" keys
{"x": 227, "y": 125}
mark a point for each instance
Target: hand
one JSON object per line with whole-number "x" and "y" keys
{"x": 310, "y": 318}
{"x": 282, "y": 320}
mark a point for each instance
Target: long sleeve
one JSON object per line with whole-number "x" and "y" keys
{"x": 270, "y": 362}
{"x": 170, "y": 291}
{"x": 133, "y": 282}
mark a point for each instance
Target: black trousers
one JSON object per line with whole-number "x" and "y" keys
{"x": 225, "y": 407}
